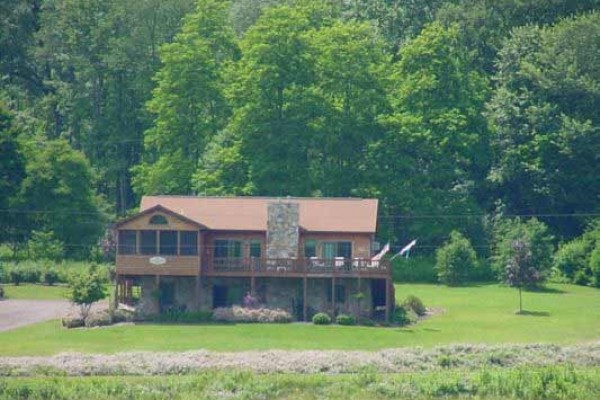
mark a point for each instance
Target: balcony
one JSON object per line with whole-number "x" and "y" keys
{"x": 287, "y": 267}
{"x": 158, "y": 265}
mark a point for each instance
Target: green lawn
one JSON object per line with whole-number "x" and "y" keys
{"x": 35, "y": 292}
{"x": 477, "y": 314}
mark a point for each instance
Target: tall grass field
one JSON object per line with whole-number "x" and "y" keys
{"x": 520, "y": 383}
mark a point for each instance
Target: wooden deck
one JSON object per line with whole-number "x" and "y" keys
{"x": 297, "y": 268}
{"x": 173, "y": 265}
{"x": 254, "y": 267}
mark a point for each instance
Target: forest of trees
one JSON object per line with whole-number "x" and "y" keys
{"x": 451, "y": 112}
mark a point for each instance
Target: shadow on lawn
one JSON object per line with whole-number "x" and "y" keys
{"x": 544, "y": 289}
{"x": 534, "y": 313}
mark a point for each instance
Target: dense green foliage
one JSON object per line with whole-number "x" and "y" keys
{"x": 445, "y": 110}
{"x": 573, "y": 260}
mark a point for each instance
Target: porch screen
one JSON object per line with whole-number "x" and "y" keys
{"x": 148, "y": 242}
{"x": 168, "y": 243}
{"x": 188, "y": 242}
{"x": 127, "y": 242}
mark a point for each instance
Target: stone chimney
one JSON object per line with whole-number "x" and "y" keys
{"x": 282, "y": 229}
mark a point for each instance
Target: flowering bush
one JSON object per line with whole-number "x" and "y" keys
{"x": 241, "y": 314}
{"x": 321, "y": 319}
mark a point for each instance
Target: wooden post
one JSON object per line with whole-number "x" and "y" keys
{"x": 304, "y": 305}
{"x": 158, "y": 291}
{"x": 197, "y": 293}
{"x": 333, "y": 297}
{"x": 117, "y": 299}
{"x": 387, "y": 300}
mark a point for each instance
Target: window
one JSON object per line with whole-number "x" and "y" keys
{"x": 340, "y": 293}
{"x": 255, "y": 249}
{"x": 310, "y": 248}
{"x": 226, "y": 248}
{"x": 127, "y": 242}
{"x": 168, "y": 243}
{"x": 188, "y": 242}
{"x": 337, "y": 249}
{"x": 158, "y": 220}
{"x": 148, "y": 242}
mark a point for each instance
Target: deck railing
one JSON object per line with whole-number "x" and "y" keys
{"x": 290, "y": 266}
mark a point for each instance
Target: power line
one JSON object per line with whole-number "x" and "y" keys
{"x": 392, "y": 216}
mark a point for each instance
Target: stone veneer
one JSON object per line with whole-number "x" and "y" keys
{"x": 283, "y": 293}
{"x": 282, "y": 229}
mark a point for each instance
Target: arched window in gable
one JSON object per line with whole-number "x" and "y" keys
{"x": 158, "y": 220}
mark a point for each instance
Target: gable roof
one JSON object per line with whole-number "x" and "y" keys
{"x": 250, "y": 213}
{"x": 162, "y": 209}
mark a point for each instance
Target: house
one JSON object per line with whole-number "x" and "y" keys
{"x": 305, "y": 255}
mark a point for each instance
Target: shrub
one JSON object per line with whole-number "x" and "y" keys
{"x": 72, "y": 322}
{"x": 403, "y": 316}
{"x": 572, "y": 257}
{"x": 50, "y": 276}
{"x": 15, "y": 276}
{"x": 1, "y": 292}
{"x": 455, "y": 261}
{"x": 344, "y": 319}
{"x": 582, "y": 278}
{"x": 321, "y": 319}
{"x": 534, "y": 234}
{"x": 366, "y": 322}
{"x": 45, "y": 246}
{"x": 414, "y": 303}
{"x": 241, "y": 314}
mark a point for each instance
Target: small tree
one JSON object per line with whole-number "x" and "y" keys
{"x": 456, "y": 260}
{"x": 520, "y": 268}
{"x": 532, "y": 232}
{"x": 86, "y": 289}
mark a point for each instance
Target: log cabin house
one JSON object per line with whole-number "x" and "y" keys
{"x": 305, "y": 255}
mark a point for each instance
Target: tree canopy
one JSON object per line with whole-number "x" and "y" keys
{"x": 448, "y": 111}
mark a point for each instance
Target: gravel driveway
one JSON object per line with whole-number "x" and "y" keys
{"x": 16, "y": 313}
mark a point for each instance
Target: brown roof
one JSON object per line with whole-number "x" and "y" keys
{"x": 250, "y": 213}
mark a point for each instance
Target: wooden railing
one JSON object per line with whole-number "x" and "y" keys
{"x": 289, "y": 266}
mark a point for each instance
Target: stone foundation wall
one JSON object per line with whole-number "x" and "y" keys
{"x": 284, "y": 293}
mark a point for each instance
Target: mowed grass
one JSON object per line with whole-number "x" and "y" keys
{"x": 563, "y": 314}
{"x": 35, "y": 292}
